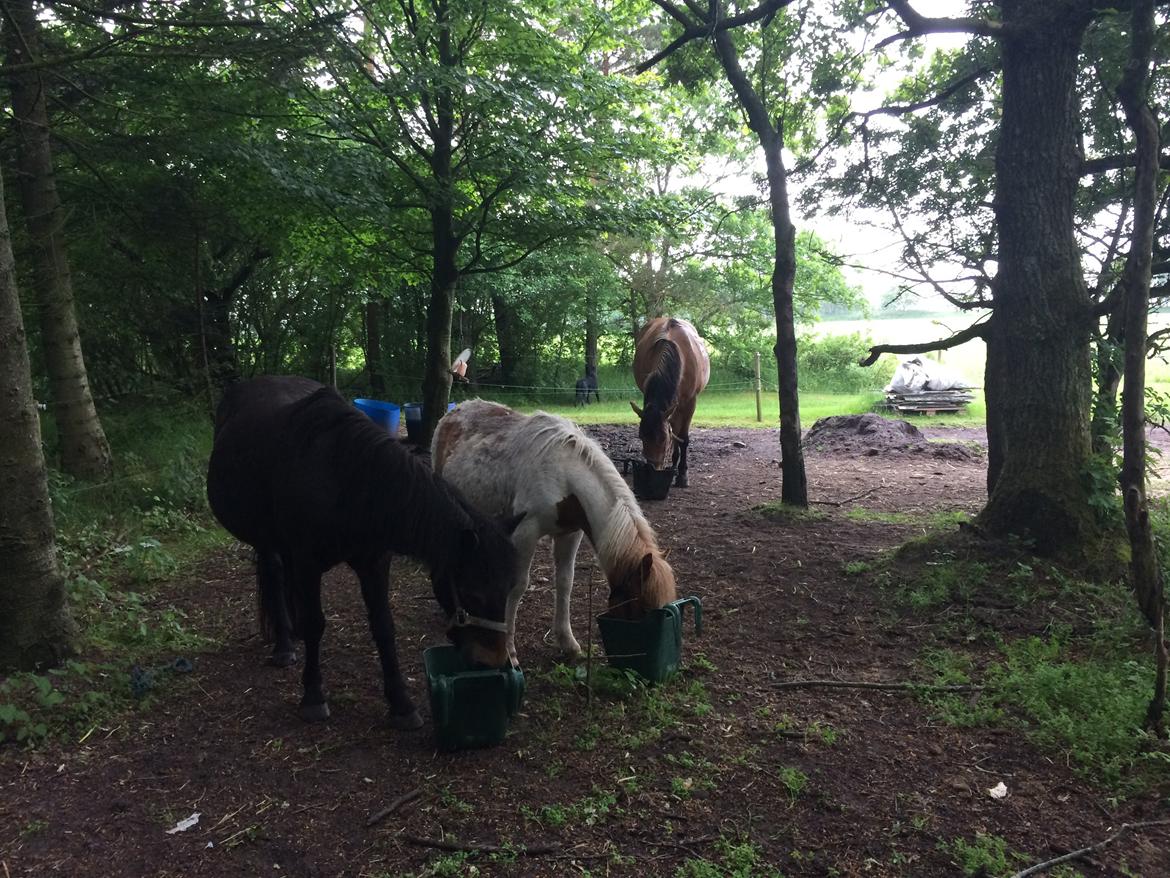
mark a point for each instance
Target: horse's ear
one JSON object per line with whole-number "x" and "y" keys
{"x": 512, "y": 522}
{"x": 637, "y": 410}
{"x": 647, "y": 566}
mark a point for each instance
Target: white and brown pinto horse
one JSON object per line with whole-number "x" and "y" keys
{"x": 671, "y": 368}
{"x": 544, "y": 466}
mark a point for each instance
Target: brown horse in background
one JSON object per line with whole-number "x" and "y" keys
{"x": 671, "y": 368}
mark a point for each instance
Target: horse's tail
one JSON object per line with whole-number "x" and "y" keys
{"x": 273, "y": 608}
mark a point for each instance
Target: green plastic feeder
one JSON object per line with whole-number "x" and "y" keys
{"x": 470, "y": 708}
{"x": 652, "y": 646}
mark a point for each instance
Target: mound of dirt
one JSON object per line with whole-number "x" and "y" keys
{"x": 871, "y": 435}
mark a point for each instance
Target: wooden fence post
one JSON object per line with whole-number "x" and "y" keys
{"x": 759, "y": 408}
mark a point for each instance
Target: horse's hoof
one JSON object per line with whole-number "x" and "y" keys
{"x": 313, "y": 713}
{"x": 406, "y": 722}
{"x": 283, "y": 659}
{"x": 681, "y": 483}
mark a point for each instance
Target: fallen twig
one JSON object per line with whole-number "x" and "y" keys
{"x": 474, "y": 848}
{"x": 861, "y": 684}
{"x": 236, "y": 835}
{"x": 1072, "y": 855}
{"x": 686, "y": 844}
{"x": 846, "y": 500}
{"x": 404, "y": 799}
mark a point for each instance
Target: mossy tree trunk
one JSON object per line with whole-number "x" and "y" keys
{"x": 35, "y": 627}
{"x": 84, "y": 450}
{"x": 1038, "y": 344}
{"x": 1145, "y": 570}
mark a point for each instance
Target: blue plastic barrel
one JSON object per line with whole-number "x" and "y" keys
{"x": 414, "y": 419}
{"x": 384, "y": 414}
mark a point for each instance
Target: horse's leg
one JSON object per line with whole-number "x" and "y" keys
{"x": 525, "y": 540}
{"x": 682, "y": 440}
{"x": 375, "y": 579}
{"x": 274, "y": 607}
{"x": 565, "y": 556}
{"x": 307, "y": 593}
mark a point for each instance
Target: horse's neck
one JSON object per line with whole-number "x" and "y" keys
{"x": 434, "y": 514}
{"x": 668, "y": 365}
{"x": 616, "y": 536}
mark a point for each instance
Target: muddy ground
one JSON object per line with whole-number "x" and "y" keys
{"x": 642, "y": 785}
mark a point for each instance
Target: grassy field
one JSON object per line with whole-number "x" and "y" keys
{"x": 727, "y": 402}
{"x": 738, "y": 409}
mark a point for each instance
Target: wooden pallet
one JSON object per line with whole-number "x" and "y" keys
{"x": 922, "y": 410}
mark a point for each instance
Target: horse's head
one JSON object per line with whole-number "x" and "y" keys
{"x": 645, "y": 586}
{"x": 473, "y": 590}
{"x": 656, "y": 435}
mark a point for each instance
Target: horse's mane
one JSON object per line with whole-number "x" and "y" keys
{"x": 661, "y": 388}
{"x": 621, "y": 533}
{"x": 386, "y": 488}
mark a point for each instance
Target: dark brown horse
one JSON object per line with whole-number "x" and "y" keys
{"x": 310, "y": 482}
{"x": 671, "y": 368}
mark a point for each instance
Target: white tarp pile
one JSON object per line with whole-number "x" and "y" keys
{"x": 922, "y": 385}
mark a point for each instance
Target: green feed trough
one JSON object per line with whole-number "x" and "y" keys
{"x": 470, "y": 708}
{"x": 652, "y": 646}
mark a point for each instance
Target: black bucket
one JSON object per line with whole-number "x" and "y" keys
{"x": 650, "y": 483}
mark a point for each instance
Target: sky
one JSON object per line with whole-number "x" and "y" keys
{"x": 861, "y": 237}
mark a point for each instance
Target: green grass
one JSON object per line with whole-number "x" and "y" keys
{"x": 715, "y": 409}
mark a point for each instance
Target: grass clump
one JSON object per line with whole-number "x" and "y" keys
{"x": 932, "y": 520}
{"x": 983, "y": 855}
{"x": 734, "y": 858}
{"x": 1088, "y": 707}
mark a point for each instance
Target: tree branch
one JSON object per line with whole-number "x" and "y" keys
{"x": 1117, "y": 162}
{"x": 706, "y": 27}
{"x": 975, "y": 330}
{"x": 918, "y": 24}
{"x": 1072, "y": 855}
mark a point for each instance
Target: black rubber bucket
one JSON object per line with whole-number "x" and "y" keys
{"x": 650, "y": 483}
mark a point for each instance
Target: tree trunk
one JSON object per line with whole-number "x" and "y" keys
{"x": 505, "y": 322}
{"x": 1039, "y": 380}
{"x": 223, "y": 363}
{"x": 993, "y": 382}
{"x": 1144, "y": 567}
{"x": 84, "y": 450}
{"x": 437, "y": 378}
{"x": 375, "y": 370}
{"x": 1108, "y": 384}
{"x": 445, "y": 272}
{"x": 794, "y": 483}
{"x": 591, "y": 331}
{"x": 35, "y": 626}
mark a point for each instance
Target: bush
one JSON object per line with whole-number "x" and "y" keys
{"x": 829, "y": 364}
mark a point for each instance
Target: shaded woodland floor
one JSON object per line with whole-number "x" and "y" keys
{"x": 717, "y": 773}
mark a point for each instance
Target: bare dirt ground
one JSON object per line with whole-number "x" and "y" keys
{"x": 641, "y": 786}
